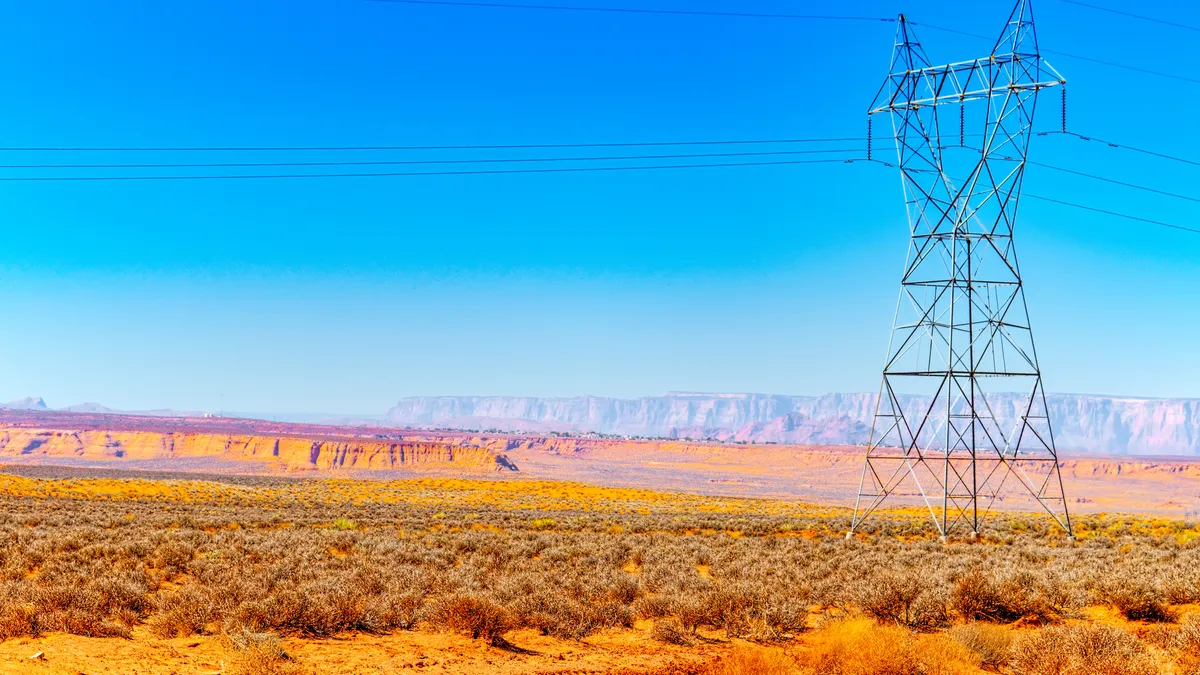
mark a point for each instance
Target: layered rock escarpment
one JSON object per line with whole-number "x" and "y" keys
{"x": 1082, "y": 423}
{"x": 286, "y": 453}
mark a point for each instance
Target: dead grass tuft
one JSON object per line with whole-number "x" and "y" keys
{"x": 861, "y": 647}
{"x": 755, "y": 661}
{"x": 990, "y": 642}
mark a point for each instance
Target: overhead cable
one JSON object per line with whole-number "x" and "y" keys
{"x": 826, "y": 17}
{"x": 354, "y": 148}
{"x": 1114, "y": 213}
{"x": 1094, "y": 209}
{"x": 1069, "y": 55}
{"x": 1116, "y": 182}
{"x": 1131, "y": 15}
{"x": 504, "y": 160}
{"x": 1122, "y": 146}
{"x": 573, "y": 8}
{"x": 480, "y": 172}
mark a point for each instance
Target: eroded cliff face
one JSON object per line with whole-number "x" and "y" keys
{"x": 1082, "y": 423}
{"x": 289, "y": 454}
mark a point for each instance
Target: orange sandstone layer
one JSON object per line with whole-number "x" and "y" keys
{"x": 282, "y": 453}
{"x": 821, "y": 474}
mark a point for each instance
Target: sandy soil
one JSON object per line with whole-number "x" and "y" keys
{"x": 629, "y": 651}
{"x": 815, "y": 474}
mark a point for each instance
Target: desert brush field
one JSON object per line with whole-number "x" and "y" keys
{"x": 109, "y": 572}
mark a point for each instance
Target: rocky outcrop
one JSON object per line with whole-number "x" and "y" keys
{"x": 27, "y": 403}
{"x": 285, "y": 453}
{"x": 1101, "y": 424}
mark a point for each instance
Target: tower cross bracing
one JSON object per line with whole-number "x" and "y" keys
{"x": 962, "y": 414}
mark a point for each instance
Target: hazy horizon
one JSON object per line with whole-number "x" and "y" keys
{"x": 382, "y": 412}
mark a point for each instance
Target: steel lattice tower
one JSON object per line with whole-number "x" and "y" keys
{"x": 947, "y": 422}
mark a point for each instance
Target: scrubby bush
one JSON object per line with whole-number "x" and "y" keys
{"x": 19, "y": 620}
{"x": 258, "y": 654}
{"x": 671, "y": 631}
{"x": 474, "y": 616}
{"x": 1137, "y": 599}
{"x": 903, "y": 597}
{"x": 1081, "y": 650}
{"x": 284, "y": 559}
{"x": 980, "y": 596}
{"x": 1184, "y": 644}
{"x": 184, "y": 612}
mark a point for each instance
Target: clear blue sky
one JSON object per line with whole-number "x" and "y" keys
{"x": 342, "y": 295}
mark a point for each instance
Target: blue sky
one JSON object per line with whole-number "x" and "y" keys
{"x": 340, "y": 295}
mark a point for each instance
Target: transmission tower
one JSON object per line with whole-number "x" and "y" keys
{"x": 949, "y": 431}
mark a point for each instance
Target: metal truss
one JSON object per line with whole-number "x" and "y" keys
{"x": 943, "y": 435}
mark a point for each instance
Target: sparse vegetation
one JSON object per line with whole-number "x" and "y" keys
{"x": 253, "y": 562}
{"x": 1082, "y": 650}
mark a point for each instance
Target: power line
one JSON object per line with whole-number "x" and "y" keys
{"x": 1114, "y": 213}
{"x": 1116, "y": 182}
{"x": 1069, "y": 55}
{"x": 1121, "y": 146}
{"x": 422, "y": 173}
{"x": 1114, "y": 64}
{"x": 631, "y": 11}
{"x": 1133, "y": 16}
{"x": 505, "y": 160}
{"x": 541, "y": 146}
{"x": 1095, "y": 209}
{"x": 955, "y": 31}
{"x": 453, "y": 3}
{"x": 624, "y": 10}
{"x": 1093, "y": 176}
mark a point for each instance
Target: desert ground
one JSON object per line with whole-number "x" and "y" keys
{"x": 344, "y": 550}
{"x": 820, "y": 474}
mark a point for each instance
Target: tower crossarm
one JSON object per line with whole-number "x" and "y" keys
{"x": 963, "y": 81}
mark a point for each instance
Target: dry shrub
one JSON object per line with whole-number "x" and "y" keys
{"x": 398, "y": 609}
{"x": 572, "y": 620}
{"x": 978, "y": 596}
{"x": 80, "y": 622}
{"x": 475, "y": 616}
{"x": 653, "y": 607}
{"x": 1180, "y": 587}
{"x": 173, "y": 556}
{"x": 258, "y": 654}
{"x": 1081, "y": 650}
{"x": 184, "y": 612}
{"x": 755, "y": 614}
{"x": 671, "y": 631}
{"x": 1138, "y": 600}
{"x": 1186, "y": 647}
{"x": 903, "y": 598}
{"x": 319, "y": 609}
{"x": 18, "y": 621}
{"x": 755, "y": 661}
{"x": 327, "y": 608}
{"x": 990, "y": 642}
{"x": 562, "y": 613}
{"x": 768, "y": 622}
{"x": 861, "y": 647}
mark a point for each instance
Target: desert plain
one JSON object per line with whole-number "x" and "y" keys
{"x": 166, "y": 545}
